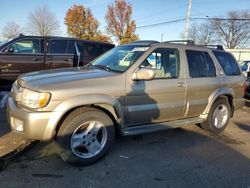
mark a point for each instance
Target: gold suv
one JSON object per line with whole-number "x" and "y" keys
{"x": 136, "y": 88}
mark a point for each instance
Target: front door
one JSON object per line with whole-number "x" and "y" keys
{"x": 161, "y": 99}
{"x": 22, "y": 56}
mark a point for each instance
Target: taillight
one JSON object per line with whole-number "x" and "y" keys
{"x": 245, "y": 87}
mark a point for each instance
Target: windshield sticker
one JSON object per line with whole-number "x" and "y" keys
{"x": 140, "y": 49}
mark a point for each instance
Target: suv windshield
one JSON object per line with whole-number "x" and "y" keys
{"x": 119, "y": 59}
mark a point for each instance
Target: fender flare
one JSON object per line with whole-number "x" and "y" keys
{"x": 221, "y": 92}
{"x": 109, "y": 103}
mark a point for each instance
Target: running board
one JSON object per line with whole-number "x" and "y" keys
{"x": 160, "y": 126}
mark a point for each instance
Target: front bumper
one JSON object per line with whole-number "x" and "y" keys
{"x": 34, "y": 125}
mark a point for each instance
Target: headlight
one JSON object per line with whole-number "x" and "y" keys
{"x": 35, "y": 100}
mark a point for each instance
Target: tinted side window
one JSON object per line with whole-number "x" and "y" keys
{"x": 80, "y": 46}
{"x": 228, "y": 63}
{"x": 27, "y": 46}
{"x": 106, "y": 48}
{"x": 71, "y": 47}
{"x": 58, "y": 46}
{"x": 200, "y": 64}
{"x": 93, "y": 49}
{"x": 165, "y": 63}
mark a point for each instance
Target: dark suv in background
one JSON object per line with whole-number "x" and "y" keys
{"x": 32, "y": 53}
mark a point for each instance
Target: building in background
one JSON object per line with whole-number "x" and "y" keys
{"x": 240, "y": 54}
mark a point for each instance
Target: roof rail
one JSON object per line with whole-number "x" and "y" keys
{"x": 145, "y": 41}
{"x": 188, "y": 42}
{"x": 218, "y": 47}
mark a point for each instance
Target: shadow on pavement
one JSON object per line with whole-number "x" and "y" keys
{"x": 182, "y": 157}
{"x": 176, "y": 158}
{"x": 247, "y": 104}
{"x": 243, "y": 126}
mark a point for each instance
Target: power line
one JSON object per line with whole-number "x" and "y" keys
{"x": 161, "y": 23}
{"x": 229, "y": 19}
{"x": 191, "y": 19}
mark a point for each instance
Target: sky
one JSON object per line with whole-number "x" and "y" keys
{"x": 145, "y": 12}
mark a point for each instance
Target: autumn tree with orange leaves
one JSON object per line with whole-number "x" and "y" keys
{"x": 82, "y": 24}
{"x": 119, "y": 23}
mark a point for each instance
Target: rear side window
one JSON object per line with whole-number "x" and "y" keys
{"x": 200, "y": 64}
{"x": 58, "y": 46}
{"x": 71, "y": 47}
{"x": 106, "y": 48}
{"x": 228, "y": 63}
{"x": 91, "y": 49}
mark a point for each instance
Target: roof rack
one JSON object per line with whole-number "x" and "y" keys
{"x": 218, "y": 47}
{"x": 188, "y": 42}
{"x": 145, "y": 41}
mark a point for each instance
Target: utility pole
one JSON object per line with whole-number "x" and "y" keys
{"x": 187, "y": 20}
{"x": 162, "y": 37}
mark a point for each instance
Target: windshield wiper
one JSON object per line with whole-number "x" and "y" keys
{"x": 103, "y": 67}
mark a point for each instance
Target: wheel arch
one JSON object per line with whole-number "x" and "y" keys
{"x": 227, "y": 93}
{"x": 110, "y": 106}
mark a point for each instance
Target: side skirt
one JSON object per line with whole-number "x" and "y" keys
{"x": 160, "y": 126}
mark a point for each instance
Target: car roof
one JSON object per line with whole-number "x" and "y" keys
{"x": 186, "y": 44}
{"x": 59, "y": 37}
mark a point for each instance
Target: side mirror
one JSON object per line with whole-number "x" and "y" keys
{"x": 143, "y": 74}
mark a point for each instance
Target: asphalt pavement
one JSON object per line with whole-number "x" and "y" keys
{"x": 182, "y": 157}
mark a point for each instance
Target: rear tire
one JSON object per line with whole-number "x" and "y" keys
{"x": 218, "y": 116}
{"x": 85, "y": 136}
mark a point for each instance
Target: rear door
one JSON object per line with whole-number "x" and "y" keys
{"x": 21, "y": 56}
{"x": 232, "y": 75}
{"x": 60, "y": 53}
{"x": 201, "y": 82}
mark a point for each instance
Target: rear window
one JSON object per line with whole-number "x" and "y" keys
{"x": 228, "y": 63}
{"x": 200, "y": 64}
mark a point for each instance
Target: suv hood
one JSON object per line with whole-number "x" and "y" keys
{"x": 51, "y": 78}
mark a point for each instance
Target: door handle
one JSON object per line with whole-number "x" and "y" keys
{"x": 180, "y": 84}
{"x": 36, "y": 59}
{"x": 67, "y": 59}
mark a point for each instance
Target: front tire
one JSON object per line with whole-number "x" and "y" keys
{"x": 85, "y": 136}
{"x": 218, "y": 116}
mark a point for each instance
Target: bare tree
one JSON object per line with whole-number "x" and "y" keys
{"x": 42, "y": 22}
{"x": 234, "y": 30}
{"x": 11, "y": 30}
{"x": 202, "y": 34}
